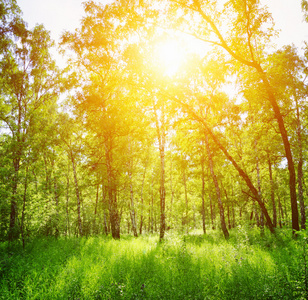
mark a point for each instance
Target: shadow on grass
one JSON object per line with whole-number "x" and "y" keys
{"x": 193, "y": 266}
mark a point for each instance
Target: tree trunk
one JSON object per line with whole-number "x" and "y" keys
{"x": 285, "y": 139}
{"x": 77, "y": 195}
{"x": 17, "y": 154}
{"x": 112, "y": 195}
{"x": 162, "y": 198}
{"x": 113, "y": 211}
{"x": 220, "y": 205}
{"x": 213, "y": 216}
{"x": 94, "y": 229}
{"x": 55, "y": 183}
{"x": 67, "y": 200}
{"x": 186, "y": 200}
{"x": 172, "y": 192}
{"x": 280, "y": 210}
{"x": 203, "y": 193}
{"x": 150, "y": 227}
{"x": 141, "y": 199}
{"x": 228, "y": 208}
{"x": 300, "y": 166}
{"x": 132, "y": 204}
{"x": 105, "y": 205}
{"x": 272, "y": 192}
{"x": 282, "y": 216}
{"x": 22, "y": 223}
{"x": 259, "y": 188}
{"x": 255, "y": 210}
{"x": 13, "y": 229}
{"x": 132, "y": 207}
{"x": 151, "y": 206}
{"x": 161, "y": 135}
{"x": 233, "y": 216}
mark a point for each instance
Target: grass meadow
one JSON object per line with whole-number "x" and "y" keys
{"x": 194, "y": 266}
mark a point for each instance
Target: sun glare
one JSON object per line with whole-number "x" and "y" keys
{"x": 170, "y": 56}
{"x": 173, "y": 54}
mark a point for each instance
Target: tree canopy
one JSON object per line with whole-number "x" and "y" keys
{"x": 170, "y": 115}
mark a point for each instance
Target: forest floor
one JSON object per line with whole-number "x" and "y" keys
{"x": 194, "y": 266}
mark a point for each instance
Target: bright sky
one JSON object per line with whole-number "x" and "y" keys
{"x": 288, "y": 17}
{"x": 60, "y": 15}
{"x": 56, "y": 15}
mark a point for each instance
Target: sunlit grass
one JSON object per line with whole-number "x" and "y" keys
{"x": 182, "y": 267}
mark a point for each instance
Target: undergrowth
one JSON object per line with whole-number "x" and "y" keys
{"x": 196, "y": 266}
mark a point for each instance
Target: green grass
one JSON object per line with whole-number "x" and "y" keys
{"x": 246, "y": 266}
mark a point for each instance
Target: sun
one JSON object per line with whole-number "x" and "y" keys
{"x": 173, "y": 55}
{"x": 170, "y": 56}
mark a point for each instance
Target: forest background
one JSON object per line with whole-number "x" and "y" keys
{"x": 168, "y": 116}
